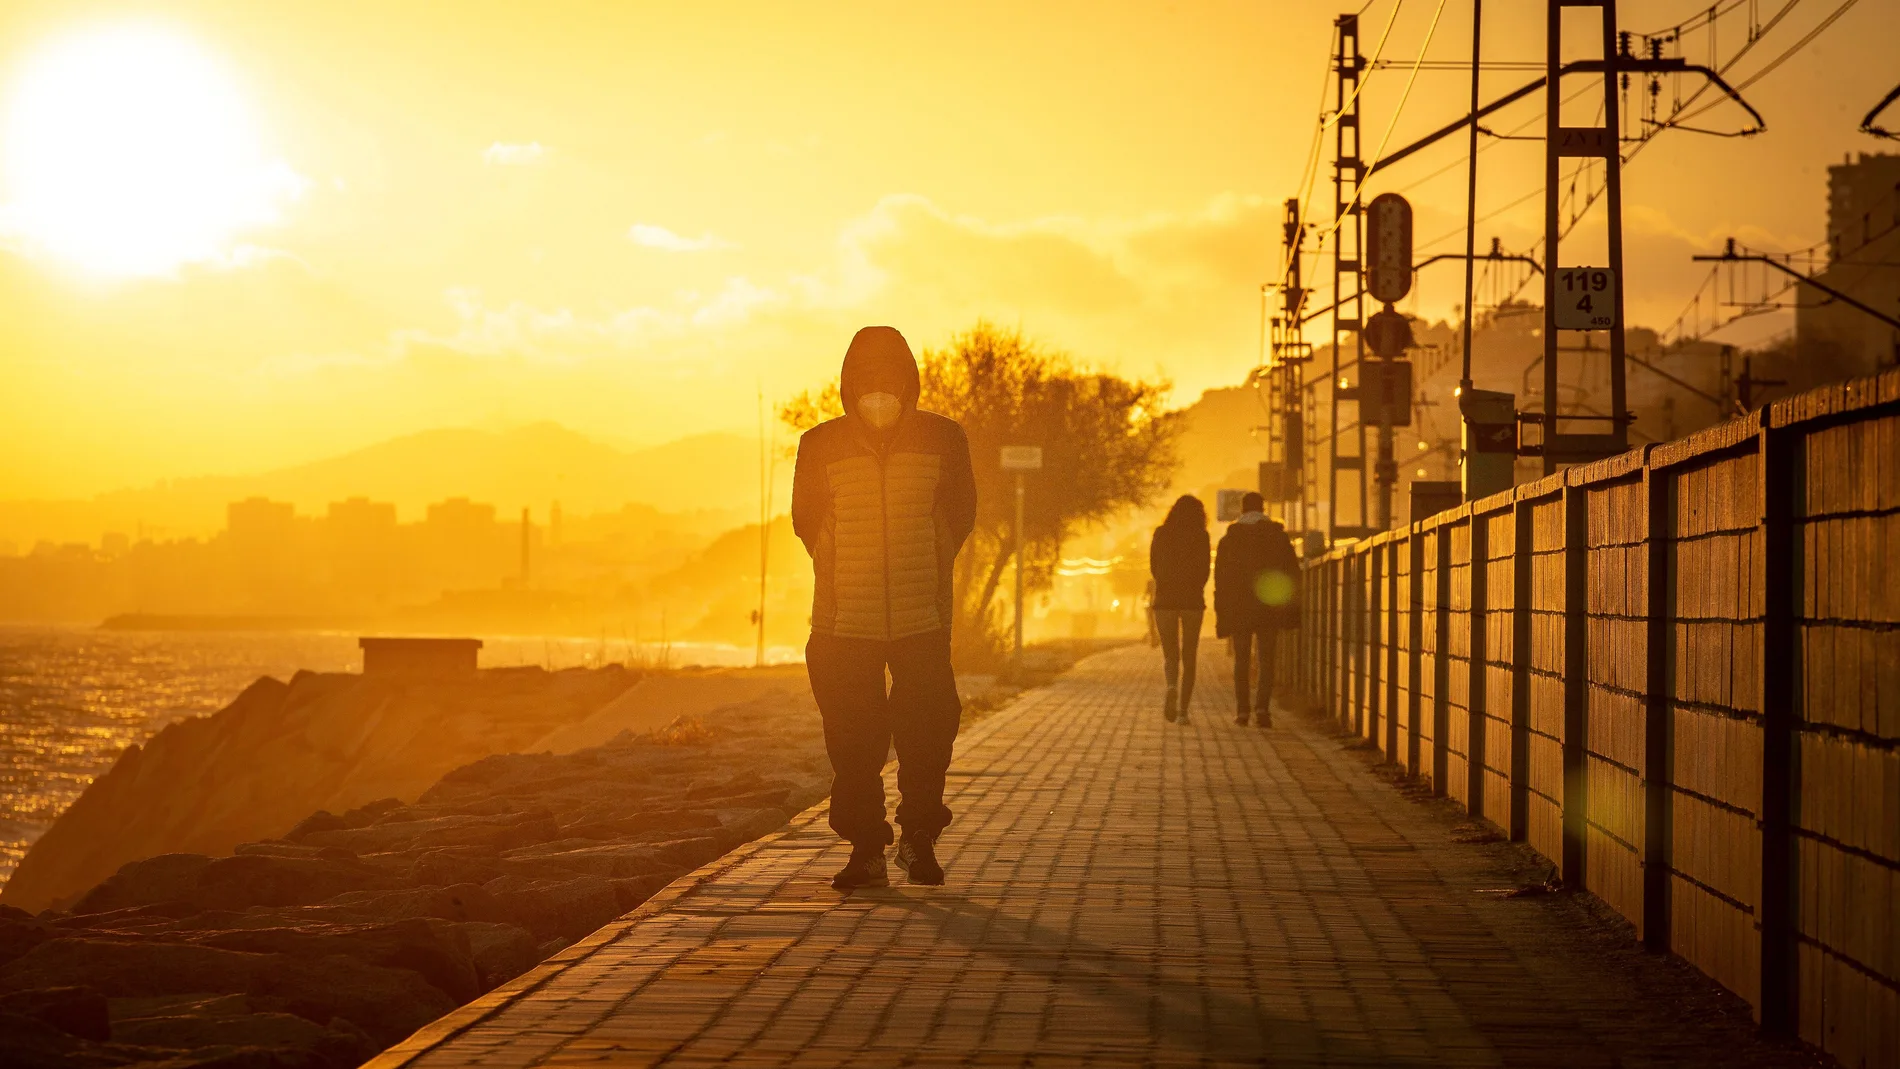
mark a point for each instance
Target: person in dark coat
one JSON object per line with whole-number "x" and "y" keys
{"x": 1178, "y": 560}
{"x": 1256, "y": 593}
{"x": 883, "y": 498}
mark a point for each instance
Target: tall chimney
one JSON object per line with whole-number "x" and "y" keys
{"x": 524, "y": 548}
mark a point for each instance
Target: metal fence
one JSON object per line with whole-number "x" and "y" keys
{"x": 1675, "y": 674}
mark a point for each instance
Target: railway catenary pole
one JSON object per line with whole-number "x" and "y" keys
{"x": 1471, "y": 191}
{"x": 1349, "y": 175}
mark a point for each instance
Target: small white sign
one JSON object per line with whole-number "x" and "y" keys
{"x": 1586, "y": 298}
{"x": 1022, "y": 458}
{"x": 1227, "y": 504}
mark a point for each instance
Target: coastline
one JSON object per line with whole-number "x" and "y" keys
{"x": 332, "y": 939}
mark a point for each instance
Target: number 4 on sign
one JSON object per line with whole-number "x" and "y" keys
{"x": 1585, "y": 298}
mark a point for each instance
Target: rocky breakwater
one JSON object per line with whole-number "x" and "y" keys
{"x": 336, "y": 741}
{"x": 352, "y": 928}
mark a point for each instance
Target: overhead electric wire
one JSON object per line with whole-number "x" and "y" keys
{"x": 1705, "y": 20}
{"x": 1339, "y": 220}
{"x": 1326, "y": 123}
{"x": 1377, "y": 51}
{"x": 1311, "y": 167}
{"x": 1430, "y": 32}
{"x": 1757, "y": 35}
{"x": 1768, "y": 69}
{"x": 1677, "y": 115}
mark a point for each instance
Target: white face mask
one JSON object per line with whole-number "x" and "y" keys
{"x": 880, "y": 410}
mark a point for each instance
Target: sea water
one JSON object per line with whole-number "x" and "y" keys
{"x": 72, "y": 699}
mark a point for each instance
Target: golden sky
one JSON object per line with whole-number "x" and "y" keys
{"x": 237, "y": 235}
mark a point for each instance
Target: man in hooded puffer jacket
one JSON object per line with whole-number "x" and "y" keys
{"x": 883, "y": 498}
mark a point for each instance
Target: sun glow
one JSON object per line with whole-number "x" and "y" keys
{"x": 128, "y": 150}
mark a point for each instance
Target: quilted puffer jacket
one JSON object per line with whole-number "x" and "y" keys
{"x": 883, "y": 513}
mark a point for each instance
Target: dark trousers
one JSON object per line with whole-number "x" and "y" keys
{"x": 1180, "y": 647}
{"x": 1246, "y": 643}
{"x": 919, "y": 714}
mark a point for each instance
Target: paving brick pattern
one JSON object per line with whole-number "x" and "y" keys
{"x": 1122, "y": 891}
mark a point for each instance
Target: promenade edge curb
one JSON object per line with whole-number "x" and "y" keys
{"x": 470, "y": 1014}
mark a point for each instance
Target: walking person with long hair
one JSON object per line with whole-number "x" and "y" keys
{"x": 1178, "y": 559}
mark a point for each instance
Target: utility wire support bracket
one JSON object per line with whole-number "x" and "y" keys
{"x": 1729, "y": 255}
{"x": 1619, "y": 65}
{"x": 1867, "y": 125}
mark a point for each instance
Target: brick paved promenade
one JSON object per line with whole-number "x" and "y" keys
{"x": 1122, "y": 891}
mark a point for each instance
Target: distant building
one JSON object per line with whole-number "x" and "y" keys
{"x": 459, "y": 519}
{"x": 1863, "y": 261}
{"x": 262, "y": 536}
{"x": 464, "y": 545}
{"x": 361, "y": 540}
{"x": 256, "y": 523}
{"x": 360, "y": 521}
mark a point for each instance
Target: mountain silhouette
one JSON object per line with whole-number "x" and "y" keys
{"x": 529, "y": 466}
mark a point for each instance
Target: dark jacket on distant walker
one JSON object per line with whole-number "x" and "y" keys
{"x": 1178, "y": 560}
{"x": 1256, "y": 578}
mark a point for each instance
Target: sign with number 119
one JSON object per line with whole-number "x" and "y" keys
{"x": 1586, "y": 298}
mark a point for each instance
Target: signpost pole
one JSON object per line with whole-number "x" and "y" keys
{"x": 1020, "y": 459}
{"x": 1019, "y": 569}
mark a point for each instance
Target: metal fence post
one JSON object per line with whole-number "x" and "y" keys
{"x": 1415, "y": 625}
{"x": 1658, "y": 713}
{"x": 1394, "y": 618}
{"x": 1477, "y": 648}
{"x": 1520, "y": 826}
{"x": 1375, "y": 647}
{"x": 1576, "y": 801}
{"x": 1780, "y": 463}
{"x": 1441, "y": 662}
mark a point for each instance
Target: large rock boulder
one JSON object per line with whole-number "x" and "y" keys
{"x": 283, "y": 751}
{"x": 436, "y": 950}
{"x": 234, "y": 883}
{"x": 76, "y": 1011}
{"x": 369, "y": 919}
{"x": 566, "y": 908}
{"x": 388, "y": 1003}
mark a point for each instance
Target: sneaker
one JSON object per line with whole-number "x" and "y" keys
{"x": 1264, "y": 720}
{"x": 865, "y": 869}
{"x": 1171, "y": 704}
{"x": 1241, "y": 719}
{"x": 917, "y": 856}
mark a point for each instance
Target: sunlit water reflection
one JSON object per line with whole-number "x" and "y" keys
{"x": 72, "y": 699}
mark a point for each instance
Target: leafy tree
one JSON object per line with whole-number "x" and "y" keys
{"x": 1108, "y": 444}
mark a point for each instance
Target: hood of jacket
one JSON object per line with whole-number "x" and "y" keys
{"x": 878, "y": 353}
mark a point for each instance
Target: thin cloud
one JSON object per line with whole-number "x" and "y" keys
{"x": 514, "y": 154}
{"x": 653, "y": 236}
